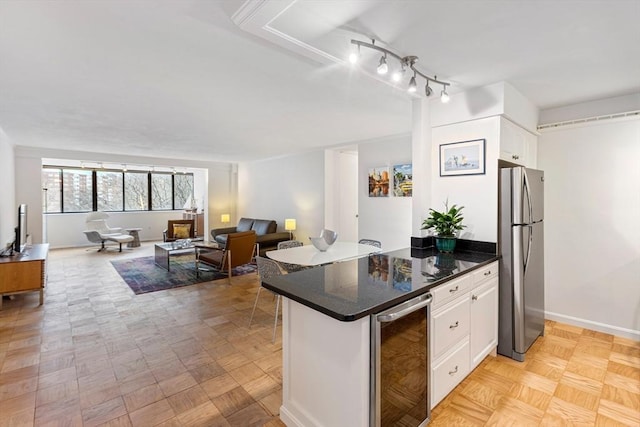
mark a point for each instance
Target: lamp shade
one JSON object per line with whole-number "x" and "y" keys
{"x": 225, "y": 218}
{"x": 290, "y": 224}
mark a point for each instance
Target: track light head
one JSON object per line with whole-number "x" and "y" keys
{"x": 412, "y": 84}
{"x": 427, "y": 90}
{"x": 383, "y": 68}
{"x": 354, "y": 56}
{"x": 444, "y": 96}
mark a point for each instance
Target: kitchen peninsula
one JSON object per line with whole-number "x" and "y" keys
{"x": 331, "y": 360}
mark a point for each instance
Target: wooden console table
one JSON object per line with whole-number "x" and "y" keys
{"x": 25, "y": 272}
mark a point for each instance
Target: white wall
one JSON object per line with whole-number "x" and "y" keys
{"x": 477, "y": 193}
{"x": 387, "y": 219}
{"x": 284, "y": 187}
{"x": 592, "y": 225}
{"x": 8, "y": 206}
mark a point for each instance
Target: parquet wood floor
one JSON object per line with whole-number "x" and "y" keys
{"x": 95, "y": 354}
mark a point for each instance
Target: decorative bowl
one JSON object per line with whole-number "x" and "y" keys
{"x": 329, "y": 236}
{"x": 325, "y": 240}
{"x": 320, "y": 243}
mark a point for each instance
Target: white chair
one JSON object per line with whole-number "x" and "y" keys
{"x": 370, "y": 242}
{"x": 99, "y": 232}
{"x": 267, "y": 268}
{"x": 290, "y": 268}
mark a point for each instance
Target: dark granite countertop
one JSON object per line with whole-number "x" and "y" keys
{"x": 350, "y": 290}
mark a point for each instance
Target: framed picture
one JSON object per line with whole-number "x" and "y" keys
{"x": 379, "y": 182}
{"x": 462, "y": 158}
{"x": 402, "y": 180}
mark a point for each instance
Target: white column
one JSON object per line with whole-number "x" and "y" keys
{"x": 421, "y": 156}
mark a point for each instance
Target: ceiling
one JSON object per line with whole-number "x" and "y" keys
{"x": 233, "y": 80}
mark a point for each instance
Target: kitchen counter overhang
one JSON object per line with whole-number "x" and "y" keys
{"x": 351, "y": 290}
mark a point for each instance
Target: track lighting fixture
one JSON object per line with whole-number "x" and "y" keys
{"x": 354, "y": 56}
{"x": 405, "y": 62}
{"x": 383, "y": 68}
{"x": 412, "y": 84}
{"x": 444, "y": 96}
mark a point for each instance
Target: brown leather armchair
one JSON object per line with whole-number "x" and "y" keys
{"x": 239, "y": 249}
{"x": 179, "y": 229}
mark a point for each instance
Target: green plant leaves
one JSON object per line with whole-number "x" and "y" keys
{"x": 445, "y": 223}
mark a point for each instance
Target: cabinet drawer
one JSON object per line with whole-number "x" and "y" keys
{"x": 485, "y": 273}
{"x": 449, "y": 372}
{"x": 449, "y": 326}
{"x": 450, "y": 290}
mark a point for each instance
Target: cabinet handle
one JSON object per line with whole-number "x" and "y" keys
{"x": 487, "y": 273}
{"x": 454, "y": 325}
{"x": 515, "y": 157}
{"x": 454, "y": 289}
{"x": 454, "y": 371}
{"x": 474, "y": 297}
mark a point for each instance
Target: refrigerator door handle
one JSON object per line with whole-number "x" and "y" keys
{"x": 530, "y": 243}
{"x": 528, "y": 193}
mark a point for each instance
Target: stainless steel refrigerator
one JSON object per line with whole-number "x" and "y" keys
{"x": 521, "y": 313}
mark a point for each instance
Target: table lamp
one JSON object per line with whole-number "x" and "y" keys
{"x": 290, "y": 226}
{"x": 225, "y": 218}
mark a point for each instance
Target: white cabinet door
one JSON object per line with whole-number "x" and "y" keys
{"x": 484, "y": 320}
{"x": 517, "y": 145}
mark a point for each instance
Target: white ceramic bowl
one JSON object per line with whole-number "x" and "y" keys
{"x": 320, "y": 243}
{"x": 329, "y": 236}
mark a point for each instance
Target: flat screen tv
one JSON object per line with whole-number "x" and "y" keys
{"x": 21, "y": 229}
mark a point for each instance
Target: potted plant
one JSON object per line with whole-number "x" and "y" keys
{"x": 446, "y": 224}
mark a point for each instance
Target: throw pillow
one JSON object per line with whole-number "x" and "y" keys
{"x": 181, "y": 231}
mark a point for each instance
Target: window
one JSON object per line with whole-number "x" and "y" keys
{"x": 77, "y": 190}
{"x": 109, "y": 191}
{"x": 85, "y": 190}
{"x": 136, "y": 191}
{"x": 183, "y": 190}
{"x": 162, "y": 191}
{"x": 52, "y": 187}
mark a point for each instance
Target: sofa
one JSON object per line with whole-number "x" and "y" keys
{"x": 267, "y": 236}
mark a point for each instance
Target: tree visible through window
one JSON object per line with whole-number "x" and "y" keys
{"x": 183, "y": 190}
{"x": 136, "y": 191}
{"x": 161, "y": 191}
{"x": 84, "y": 190}
{"x": 109, "y": 191}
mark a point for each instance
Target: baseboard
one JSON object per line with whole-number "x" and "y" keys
{"x": 594, "y": 326}
{"x": 289, "y": 419}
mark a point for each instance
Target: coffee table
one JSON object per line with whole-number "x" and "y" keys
{"x": 164, "y": 252}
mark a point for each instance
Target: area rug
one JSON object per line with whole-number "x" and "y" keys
{"x": 143, "y": 275}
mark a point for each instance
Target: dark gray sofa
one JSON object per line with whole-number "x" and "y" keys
{"x": 267, "y": 236}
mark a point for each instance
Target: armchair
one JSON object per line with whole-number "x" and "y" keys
{"x": 239, "y": 249}
{"x": 179, "y": 229}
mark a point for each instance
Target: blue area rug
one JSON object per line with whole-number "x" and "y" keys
{"x": 143, "y": 275}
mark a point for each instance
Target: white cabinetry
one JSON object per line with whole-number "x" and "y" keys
{"x": 484, "y": 314}
{"x": 463, "y": 328}
{"x": 517, "y": 145}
